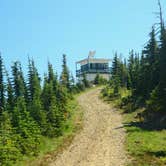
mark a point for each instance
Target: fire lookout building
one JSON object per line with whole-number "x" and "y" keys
{"x": 91, "y": 67}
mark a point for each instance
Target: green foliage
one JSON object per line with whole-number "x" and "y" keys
{"x": 2, "y": 87}
{"x": 10, "y": 95}
{"x": 80, "y": 87}
{"x": 133, "y": 71}
{"x": 65, "y": 76}
{"x": 119, "y": 76}
{"x": 145, "y": 146}
{"x": 99, "y": 80}
{"x": 52, "y": 145}
{"x": 145, "y": 106}
{"x": 31, "y": 111}
{"x": 116, "y": 86}
{"x": 153, "y": 103}
{"x": 96, "y": 80}
{"x": 9, "y": 153}
{"x": 148, "y": 73}
{"x": 38, "y": 114}
{"x": 62, "y": 98}
{"x": 145, "y": 76}
{"x": 54, "y": 101}
{"x": 115, "y": 65}
{"x": 34, "y": 96}
{"x": 18, "y": 81}
{"x": 54, "y": 122}
{"x": 85, "y": 82}
{"x": 27, "y": 128}
{"x": 162, "y": 69}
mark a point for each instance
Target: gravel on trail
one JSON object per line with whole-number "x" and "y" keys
{"x": 101, "y": 141}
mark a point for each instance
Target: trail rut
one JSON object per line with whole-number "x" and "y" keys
{"x": 101, "y": 141}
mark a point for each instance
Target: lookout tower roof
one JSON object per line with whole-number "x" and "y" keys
{"x": 93, "y": 60}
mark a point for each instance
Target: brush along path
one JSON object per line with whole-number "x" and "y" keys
{"x": 101, "y": 142}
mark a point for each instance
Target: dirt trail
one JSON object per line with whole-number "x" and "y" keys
{"x": 101, "y": 141}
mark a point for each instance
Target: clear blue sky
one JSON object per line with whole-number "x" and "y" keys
{"x": 45, "y": 29}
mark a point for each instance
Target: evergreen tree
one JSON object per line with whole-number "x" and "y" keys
{"x": 150, "y": 66}
{"x": 64, "y": 78}
{"x": 2, "y": 87}
{"x": 31, "y": 110}
{"x": 153, "y": 60}
{"x": 123, "y": 74}
{"x": 141, "y": 81}
{"x": 130, "y": 70}
{"x": 30, "y": 87}
{"x": 162, "y": 63}
{"x": 51, "y": 75}
{"x": 116, "y": 85}
{"x": 115, "y": 66}
{"x": 55, "y": 82}
{"x": 26, "y": 127}
{"x": 52, "y": 103}
{"x": 119, "y": 75}
{"x": 85, "y": 81}
{"x": 53, "y": 113}
{"x": 72, "y": 83}
{"x": 158, "y": 96}
{"x": 97, "y": 79}
{"x": 10, "y": 94}
{"x": 18, "y": 81}
{"x": 54, "y": 117}
{"x": 9, "y": 151}
{"x": 49, "y": 89}
{"x": 62, "y": 99}
{"x": 34, "y": 89}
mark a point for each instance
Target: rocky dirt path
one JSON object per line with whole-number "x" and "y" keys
{"x": 101, "y": 142}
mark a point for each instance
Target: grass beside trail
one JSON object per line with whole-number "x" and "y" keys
{"x": 145, "y": 147}
{"x": 51, "y": 146}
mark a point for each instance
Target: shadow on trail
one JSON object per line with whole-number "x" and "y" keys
{"x": 148, "y": 126}
{"x": 157, "y": 153}
{"x": 135, "y": 126}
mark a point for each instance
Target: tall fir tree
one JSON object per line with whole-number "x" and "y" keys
{"x": 115, "y": 66}
{"x": 18, "y": 81}
{"x": 53, "y": 113}
{"x": 130, "y": 69}
{"x": 85, "y": 82}
{"x": 150, "y": 67}
{"x": 10, "y": 94}
{"x": 162, "y": 62}
{"x": 9, "y": 151}
{"x": 2, "y": 86}
{"x": 64, "y": 78}
{"x": 34, "y": 91}
{"x": 26, "y": 128}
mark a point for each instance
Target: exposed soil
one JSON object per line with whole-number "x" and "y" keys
{"x": 101, "y": 141}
